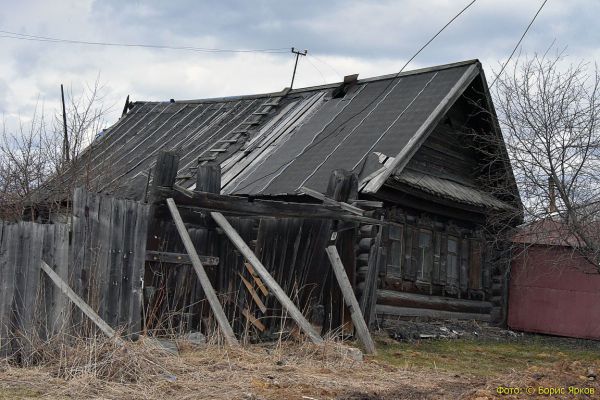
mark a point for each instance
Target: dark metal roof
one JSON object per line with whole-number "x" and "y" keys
{"x": 274, "y": 143}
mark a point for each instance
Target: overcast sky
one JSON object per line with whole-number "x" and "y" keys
{"x": 342, "y": 37}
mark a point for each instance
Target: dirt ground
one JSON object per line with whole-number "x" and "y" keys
{"x": 436, "y": 368}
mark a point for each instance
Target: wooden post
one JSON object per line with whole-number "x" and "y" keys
{"x": 204, "y": 281}
{"x": 83, "y": 306}
{"x": 165, "y": 172}
{"x": 342, "y": 186}
{"x": 208, "y": 178}
{"x": 271, "y": 283}
{"x": 359, "y": 322}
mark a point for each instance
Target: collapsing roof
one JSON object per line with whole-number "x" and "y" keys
{"x": 275, "y": 143}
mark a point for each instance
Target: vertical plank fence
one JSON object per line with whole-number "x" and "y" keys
{"x": 101, "y": 255}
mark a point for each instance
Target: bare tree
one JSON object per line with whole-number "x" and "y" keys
{"x": 549, "y": 112}
{"x": 33, "y": 154}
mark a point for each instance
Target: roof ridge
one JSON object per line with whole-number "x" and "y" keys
{"x": 286, "y": 90}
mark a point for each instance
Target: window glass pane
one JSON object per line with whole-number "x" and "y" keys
{"x": 452, "y": 245}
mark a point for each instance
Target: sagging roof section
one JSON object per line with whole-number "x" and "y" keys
{"x": 274, "y": 143}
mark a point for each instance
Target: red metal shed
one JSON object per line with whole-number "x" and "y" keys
{"x": 553, "y": 290}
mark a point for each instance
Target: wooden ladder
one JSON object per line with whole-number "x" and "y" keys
{"x": 241, "y": 131}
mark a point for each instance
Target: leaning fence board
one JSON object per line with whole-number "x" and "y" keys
{"x": 206, "y": 285}
{"x": 357, "y": 318}
{"x": 83, "y": 306}
{"x": 239, "y": 243}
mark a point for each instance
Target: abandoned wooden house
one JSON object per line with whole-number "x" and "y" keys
{"x": 393, "y": 171}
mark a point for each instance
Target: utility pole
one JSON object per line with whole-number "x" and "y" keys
{"x": 298, "y": 53}
{"x": 66, "y": 138}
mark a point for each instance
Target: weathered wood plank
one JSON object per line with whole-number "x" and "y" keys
{"x": 7, "y": 285}
{"x": 206, "y": 285}
{"x": 239, "y": 243}
{"x": 78, "y": 301}
{"x": 253, "y": 320}
{"x": 383, "y": 310}
{"x": 257, "y": 300}
{"x": 179, "y": 258}
{"x": 257, "y": 279}
{"x": 357, "y": 318}
{"x": 128, "y": 248}
{"x": 137, "y": 267}
{"x": 414, "y": 300}
{"x": 115, "y": 263}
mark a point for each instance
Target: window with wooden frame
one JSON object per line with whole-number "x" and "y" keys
{"x": 425, "y": 259}
{"x": 396, "y": 247}
{"x": 452, "y": 261}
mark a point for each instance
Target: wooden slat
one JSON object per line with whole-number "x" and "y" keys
{"x": 78, "y": 301}
{"x": 257, "y": 279}
{"x": 116, "y": 263}
{"x": 179, "y": 258}
{"x": 239, "y": 243}
{"x": 357, "y": 318}
{"x": 259, "y": 325}
{"x": 205, "y": 282}
{"x": 7, "y": 285}
{"x": 255, "y": 297}
{"x": 138, "y": 267}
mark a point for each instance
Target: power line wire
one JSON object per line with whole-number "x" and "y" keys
{"x": 48, "y": 39}
{"x": 391, "y": 81}
{"x": 518, "y": 43}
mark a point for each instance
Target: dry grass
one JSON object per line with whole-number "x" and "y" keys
{"x": 100, "y": 368}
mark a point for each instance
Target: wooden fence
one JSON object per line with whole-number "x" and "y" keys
{"x": 100, "y": 254}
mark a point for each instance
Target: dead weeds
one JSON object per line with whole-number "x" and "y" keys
{"x": 290, "y": 370}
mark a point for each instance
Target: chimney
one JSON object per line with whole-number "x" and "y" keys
{"x": 349, "y": 81}
{"x": 551, "y": 196}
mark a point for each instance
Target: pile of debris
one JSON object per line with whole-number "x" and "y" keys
{"x": 404, "y": 330}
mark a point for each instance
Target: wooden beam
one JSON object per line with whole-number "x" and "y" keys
{"x": 422, "y": 312}
{"x": 238, "y": 205}
{"x": 343, "y": 205}
{"x": 271, "y": 283}
{"x": 178, "y": 258}
{"x": 357, "y": 318}
{"x": 414, "y": 300}
{"x": 79, "y": 302}
{"x": 211, "y": 296}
